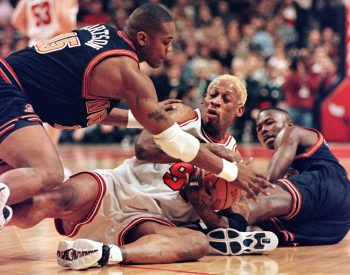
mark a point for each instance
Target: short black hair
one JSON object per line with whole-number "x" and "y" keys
{"x": 271, "y": 108}
{"x": 148, "y": 18}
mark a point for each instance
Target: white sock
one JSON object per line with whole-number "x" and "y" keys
{"x": 115, "y": 254}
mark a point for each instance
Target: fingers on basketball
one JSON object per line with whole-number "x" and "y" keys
{"x": 223, "y": 194}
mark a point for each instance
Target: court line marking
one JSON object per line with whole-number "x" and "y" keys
{"x": 121, "y": 266}
{"x": 171, "y": 270}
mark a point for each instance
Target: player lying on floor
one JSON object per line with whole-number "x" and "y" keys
{"x": 137, "y": 206}
{"x": 98, "y": 66}
{"x": 309, "y": 206}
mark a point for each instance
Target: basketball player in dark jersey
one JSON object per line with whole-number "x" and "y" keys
{"x": 310, "y": 204}
{"x": 75, "y": 80}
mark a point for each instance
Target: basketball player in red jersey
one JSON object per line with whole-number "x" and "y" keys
{"x": 137, "y": 206}
{"x": 76, "y": 80}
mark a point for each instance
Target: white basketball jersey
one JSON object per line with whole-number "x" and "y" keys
{"x": 153, "y": 179}
{"x": 41, "y": 20}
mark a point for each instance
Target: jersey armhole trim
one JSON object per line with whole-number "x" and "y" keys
{"x": 92, "y": 64}
{"x": 313, "y": 148}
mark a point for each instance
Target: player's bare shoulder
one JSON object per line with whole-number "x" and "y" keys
{"x": 110, "y": 77}
{"x": 296, "y": 134}
{"x": 287, "y": 136}
{"x": 308, "y": 137}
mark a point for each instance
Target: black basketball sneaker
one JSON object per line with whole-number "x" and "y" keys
{"x": 5, "y": 210}
{"x": 228, "y": 241}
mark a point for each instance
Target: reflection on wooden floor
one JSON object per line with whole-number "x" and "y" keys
{"x": 32, "y": 251}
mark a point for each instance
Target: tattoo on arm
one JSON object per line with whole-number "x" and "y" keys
{"x": 157, "y": 115}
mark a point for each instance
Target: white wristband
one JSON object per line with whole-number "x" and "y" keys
{"x": 132, "y": 122}
{"x": 229, "y": 171}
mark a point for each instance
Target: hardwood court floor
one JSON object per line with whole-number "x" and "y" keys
{"x": 32, "y": 251}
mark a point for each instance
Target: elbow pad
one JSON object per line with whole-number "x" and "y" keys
{"x": 177, "y": 143}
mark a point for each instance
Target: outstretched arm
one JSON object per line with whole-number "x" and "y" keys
{"x": 181, "y": 145}
{"x": 121, "y": 117}
{"x": 286, "y": 145}
{"x": 147, "y": 150}
{"x": 141, "y": 97}
{"x": 117, "y": 117}
{"x": 126, "y": 81}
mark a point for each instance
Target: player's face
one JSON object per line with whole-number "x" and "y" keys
{"x": 268, "y": 124}
{"x": 158, "y": 45}
{"x": 220, "y": 107}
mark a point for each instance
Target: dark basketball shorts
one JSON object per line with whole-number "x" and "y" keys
{"x": 320, "y": 212}
{"x": 16, "y": 110}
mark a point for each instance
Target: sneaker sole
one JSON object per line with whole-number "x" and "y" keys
{"x": 228, "y": 241}
{"x": 87, "y": 254}
{"x": 4, "y": 195}
{"x": 3, "y": 220}
{"x": 65, "y": 253}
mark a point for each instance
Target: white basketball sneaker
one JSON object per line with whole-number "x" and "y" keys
{"x": 228, "y": 241}
{"x": 84, "y": 253}
{"x": 65, "y": 253}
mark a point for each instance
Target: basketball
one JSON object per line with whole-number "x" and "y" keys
{"x": 223, "y": 193}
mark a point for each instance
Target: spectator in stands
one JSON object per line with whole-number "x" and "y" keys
{"x": 221, "y": 31}
{"x": 94, "y": 13}
{"x": 301, "y": 89}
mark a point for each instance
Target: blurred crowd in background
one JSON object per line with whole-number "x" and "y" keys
{"x": 285, "y": 51}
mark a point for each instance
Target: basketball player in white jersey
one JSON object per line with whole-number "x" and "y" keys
{"x": 39, "y": 20}
{"x": 137, "y": 208}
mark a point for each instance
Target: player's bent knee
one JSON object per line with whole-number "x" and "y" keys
{"x": 203, "y": 244}
{"x": 52, "y": 178}
{"x": 197, "y": 245}
{"x": 63, "y": 198}
{"x": 29, "y": 212}
{"x": 278, "y": 204}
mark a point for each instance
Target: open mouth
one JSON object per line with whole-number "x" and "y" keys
{"x": 212, "y": 113}
{"x": 268, "y": 139}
